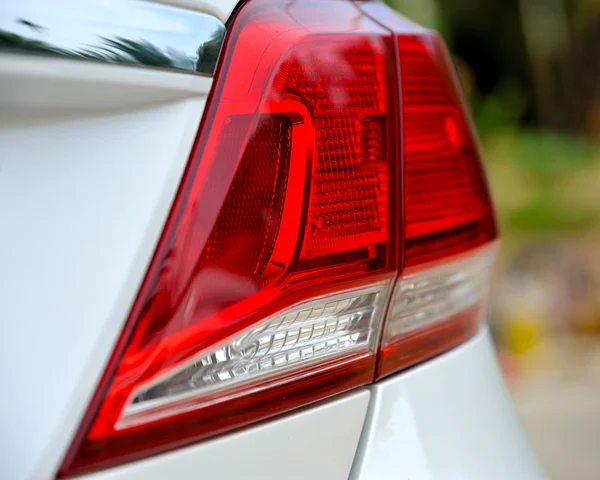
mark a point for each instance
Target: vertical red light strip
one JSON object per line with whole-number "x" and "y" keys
{"x": 447, "y": 213}
{"x": 447, "y": 205}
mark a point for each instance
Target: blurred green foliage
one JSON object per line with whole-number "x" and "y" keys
{"x": 546, "y": 214}
{"x": 500, "y": 110}
{"x": 548, "y": 174}
{"x": 550, "y": 156}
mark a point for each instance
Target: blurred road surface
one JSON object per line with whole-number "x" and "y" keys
{"x": 559, "y": 406}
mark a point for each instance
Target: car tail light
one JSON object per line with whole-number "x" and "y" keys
{"x": 435, "y": 308}
{"x": 448, "y": 224}
{"x": 335, "y": 176}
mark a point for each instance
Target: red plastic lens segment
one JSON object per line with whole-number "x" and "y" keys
{"x": 439, "y": 301}
{"x": 448, "y": 224}
{"x": 286, "y": 202}
{"x": 447, "y": 206}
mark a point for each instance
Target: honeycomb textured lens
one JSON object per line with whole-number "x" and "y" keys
{"x": 346, "y": 88}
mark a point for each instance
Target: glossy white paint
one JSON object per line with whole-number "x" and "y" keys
{"x": 448, "y": 419}
{"x": 90, "y": 158}
{"x": 221, "y": 9}
{"x": 315, "y": 443}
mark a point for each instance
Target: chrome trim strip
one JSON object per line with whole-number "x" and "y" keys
{"x": 130, "y": 32}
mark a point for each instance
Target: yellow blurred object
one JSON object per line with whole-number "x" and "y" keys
{"x": 524, "y": 331}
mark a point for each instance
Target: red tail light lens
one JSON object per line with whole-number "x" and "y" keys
{"x": 269, "y": 286}
{"x": 448, "y": 225}
{"x": 447, "y": 208}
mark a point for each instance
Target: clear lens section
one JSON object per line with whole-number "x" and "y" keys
{"x": 327, "y": 328}
{"x": 432, "y": 295}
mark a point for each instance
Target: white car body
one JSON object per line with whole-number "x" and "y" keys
{"x": 91, "y": 156}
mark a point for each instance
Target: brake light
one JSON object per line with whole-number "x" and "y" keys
{"x": 269, "y": 286}
{"x": 447, "y": 208}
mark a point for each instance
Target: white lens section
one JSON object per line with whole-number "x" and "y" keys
{"x": 435, "y": 294}
{"x": 340, "y": 325}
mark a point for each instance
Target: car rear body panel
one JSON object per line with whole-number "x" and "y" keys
{"x": 91, "y": 156}
{"x": 449, "y": 418}
{"x": 315, "y": 443}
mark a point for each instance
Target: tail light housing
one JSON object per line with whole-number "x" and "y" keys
{"x": 333, "y": 226}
